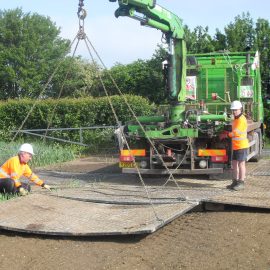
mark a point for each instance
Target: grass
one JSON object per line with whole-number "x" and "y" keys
{"x": 48, "y": 152}
{"x": 5, "y": 197}
{"x": 45, "y": 153}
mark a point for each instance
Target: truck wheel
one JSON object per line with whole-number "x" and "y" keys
{"x": 258, "y": 138}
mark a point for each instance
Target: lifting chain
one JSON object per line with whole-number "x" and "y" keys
{"x": 81, "y": 15}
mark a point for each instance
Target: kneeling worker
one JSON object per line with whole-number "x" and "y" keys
{"x": 15, "y": 167}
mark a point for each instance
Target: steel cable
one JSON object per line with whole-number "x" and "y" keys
{"x": 134, "y": 115}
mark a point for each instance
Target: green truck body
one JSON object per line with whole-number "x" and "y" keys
{"x": 192, "y": 145}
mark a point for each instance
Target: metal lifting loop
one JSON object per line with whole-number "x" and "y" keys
{"x": 82, "y": 14}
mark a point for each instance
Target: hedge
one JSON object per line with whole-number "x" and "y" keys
{"x": 66, "y": 113}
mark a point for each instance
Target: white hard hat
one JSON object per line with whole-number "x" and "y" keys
{"x": 26, "y": 147}
{"x": 236, "y": 105}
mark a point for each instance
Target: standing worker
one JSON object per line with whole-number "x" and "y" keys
{"x": 15, "y": 167}
{"x": 240, "y": 145}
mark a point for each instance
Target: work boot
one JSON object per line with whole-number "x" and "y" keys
{"x": 232, "y": 185}
{"x": 239, "y": 186}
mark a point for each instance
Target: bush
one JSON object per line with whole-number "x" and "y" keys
{"x": 67, "y": 113}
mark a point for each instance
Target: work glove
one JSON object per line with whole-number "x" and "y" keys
{"x": 22, "y": 191}
{"x": 223, "y": 135}
{"x": 47, "y": 187}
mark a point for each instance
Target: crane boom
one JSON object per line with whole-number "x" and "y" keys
{"x": 153, "y": 15}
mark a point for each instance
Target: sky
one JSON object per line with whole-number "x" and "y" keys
{"x": 123, "y": 40}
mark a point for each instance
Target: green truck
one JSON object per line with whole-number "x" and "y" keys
{"x": 184, "y": 138}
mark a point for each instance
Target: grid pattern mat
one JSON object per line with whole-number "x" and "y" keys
{"x": 43, "y": 214}
{"x": 114, "y": 204}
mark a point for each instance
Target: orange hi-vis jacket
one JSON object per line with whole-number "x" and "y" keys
{"x": 239, "y": 133}
{"x": 14, "y": 169}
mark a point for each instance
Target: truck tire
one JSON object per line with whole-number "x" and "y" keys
{"x": 259, "y": 144}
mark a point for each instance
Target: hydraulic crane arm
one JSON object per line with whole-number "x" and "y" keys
{"x": 151, "y": 14}
{"x": 154, "y": 16}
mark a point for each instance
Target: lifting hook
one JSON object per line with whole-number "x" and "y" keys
{"x": 81, "y": 11}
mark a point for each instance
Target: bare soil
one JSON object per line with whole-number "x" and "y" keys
{"x": 236, "y": 238}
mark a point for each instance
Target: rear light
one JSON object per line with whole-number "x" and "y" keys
{"x": 219, "y": 159}
{"x": 129, "y": 155}
{"x": 211, "y": 152}
{"x": 126, "y": 158}
{"x": 133, "y": 152}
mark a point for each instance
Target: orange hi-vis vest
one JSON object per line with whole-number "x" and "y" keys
{"x": 14, "y": 169}
{"x": 239, "y": 133}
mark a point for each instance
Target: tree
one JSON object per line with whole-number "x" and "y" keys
{"x": 74, "y": 78}
{"x": 240, "y": 34}
{"x": 141, "y": 77}
{"x": 262, "y": 44}
{"x": 199, "y": 40}
{"x": 145, "y": 77}
{"x": 30, "y": 48}
{"x": 219, "y": 41}
{"x": 158, "y": 95}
